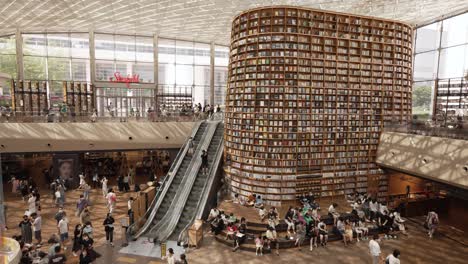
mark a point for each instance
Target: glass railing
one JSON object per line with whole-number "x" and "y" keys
{"x": 455, "y": 130}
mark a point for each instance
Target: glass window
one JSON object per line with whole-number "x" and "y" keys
{"x": 166, "y": 74}
{"x": 8, "y": 64}
{"x": 425, "y": 66}
{"x": 202, "y": 75}
{"x": 104, "y": 46}
{"x": 422, "y": 99}
{"x": 166, "y": 51}
{"x": 455, "y": 31}
{"x": 58, "y": 45}
{"x": 35, "y": 44}
{"x": 145, "y": 71}
{"x": 35, "y": 68}
{"x": 125, "y": 48}
{"x": 79, "y": 45}
{"x": 184, "y": 52}
{"x": 144, "y": 49}
{"x": 202, "y": 54}
{"x": 427, "y": 37}
{"x": 453, "y": 62}
{"x": 184, "y": 74}
{"x": 221, "y": 55}
{"x": 59, "y": 69}
{"x": 7, "y": 45}
{"x": 104, "y": 70}
{"x": 80, "y": 70}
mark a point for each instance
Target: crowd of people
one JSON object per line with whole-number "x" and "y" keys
{"x": 367, "y": 219}
{"x": 82, "y": 239}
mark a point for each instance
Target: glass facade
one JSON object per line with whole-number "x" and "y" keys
{"x": 7, "y": 66}
{"x": 184, "y": 68}
{"x": 441, "y": 69}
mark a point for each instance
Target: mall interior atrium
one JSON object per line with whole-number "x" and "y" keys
{"x": 233, "y": 131}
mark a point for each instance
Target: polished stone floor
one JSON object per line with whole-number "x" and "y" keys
{"x": 416, "y": 248}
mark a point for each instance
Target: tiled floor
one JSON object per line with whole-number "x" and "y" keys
{"x": 416, "y": 248}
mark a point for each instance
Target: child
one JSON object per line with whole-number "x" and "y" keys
{"x": 259, "y": 245}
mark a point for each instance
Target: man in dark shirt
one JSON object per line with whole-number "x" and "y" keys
{"x": 204, "y": 157}
{"x": 58, "y": 258}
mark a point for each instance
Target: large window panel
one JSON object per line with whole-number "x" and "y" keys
{"x": 35, "y": 68}
{"x": 427, "y": 37}
{"x": 79, "y": 45}
{"x": 422, "y": 98}
{"x": 80, "y": 70}
{"x": 425, "y": 66}
{"x": 59, "y": 69}
{"x": 453, "y": 62}
{"x": 202, "y": 75}
{"x": 166, "y": 74}
{"x": 184, "y": 52}
{"x": 35, "y": 44}
{"x": 56, "y": 93}
{"x": 455, "y": 31}
{"x": 104, "y": 70}
{"x": 104, "y": 46}
{"x": 125, "y": 48}
{"x": 145, "y": 71}
{"x": 202, "y": 54}
{"x": 166, "y": 51}
{"x": 8, "y": 64}
{"x": 7, "y": 45}
{"x": 58, "y": 45}
{"x": 184, "y": 74}
{"x": 124, "y": 68}
{"x": 144, "y": 49}
{"x": 221, "y": 55}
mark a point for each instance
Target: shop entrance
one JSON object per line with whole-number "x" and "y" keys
{"x": 125, "y": 102}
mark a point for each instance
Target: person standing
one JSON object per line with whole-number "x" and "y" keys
{"x": 131, "y": 175}
{"x": 63, "y": 231}
{"x": 126, "y": 185}
{"x": 170, "y": 256}
{"x": 393, "y": 258}
{"x": 109, "y": 228}
{"x": 95, "y": 179}
{"x": 26, "y": 230}
{"x": 190, "y": 146}
{"x": 130, "y": 209}
{"x": 37, "y": 226}
{"x": 76, "y": 240}
{"x": 374, "y": 249}
{"x": 432, "y": 221}
{"x": 31, "y": 204}
{"x": 86, "y": 190}
{"x": 81, "y": 204}
{"x": 204, "y": 157}
{"x": 104, "y": 186}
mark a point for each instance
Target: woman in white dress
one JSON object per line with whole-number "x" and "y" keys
{"x": 32, "y": 204}
{"x": 104, "y": 186}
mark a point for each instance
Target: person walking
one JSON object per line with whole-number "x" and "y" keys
{"x": 170, "y": 256}
{"x": 32, "y": 203}
{"x": 63, "y": 231}
{"x": 126, "y": 185}
{"x": 204, "y": 166}
{"x": 85, "y": 216}
{"x": 111, "y": 200}
{"x": 374, "y": 249}
{"x": 109, "y": 229}
{"x": 86, "y": 190}
{"x": 26, "y": 230}
{"x": 76, "y": 240}
{"x": 37, "y": 226}
{"x": 81, "y": 204}
{"x": 104, "y": 186}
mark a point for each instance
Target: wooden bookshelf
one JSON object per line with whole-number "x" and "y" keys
{"x": 308, "y": 94}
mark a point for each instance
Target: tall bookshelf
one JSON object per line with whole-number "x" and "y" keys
{"x": 308, "y": 94}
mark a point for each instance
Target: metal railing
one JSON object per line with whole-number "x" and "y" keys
{"x": 151, "y": 212}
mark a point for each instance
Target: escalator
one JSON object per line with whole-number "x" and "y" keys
{"x": 171, "y": 183}
{"x": 191, "y": 205}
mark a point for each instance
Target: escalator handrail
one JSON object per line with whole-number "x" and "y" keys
{"x": 209, "y": 181}
{"x": 152, "y": 209}
{"x": 166, "y": 225}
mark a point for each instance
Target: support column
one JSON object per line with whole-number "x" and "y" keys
{"x": 155, "y": 71}
{"x": 212, "y": 75}
{"x": 92, "y": 59}
{"x": 19, "y": 55}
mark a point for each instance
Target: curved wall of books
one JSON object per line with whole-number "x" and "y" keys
{"x": 309, "y": 92}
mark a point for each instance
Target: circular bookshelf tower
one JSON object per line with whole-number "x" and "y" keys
{"x": 309, "y": 92}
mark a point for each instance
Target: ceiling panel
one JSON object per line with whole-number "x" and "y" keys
{"x": 201, "y": 20}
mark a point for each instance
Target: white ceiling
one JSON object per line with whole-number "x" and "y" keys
{"x": 202, "y": 20}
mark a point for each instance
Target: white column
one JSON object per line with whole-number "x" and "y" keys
{"x": 156, "y": 70}
{"x": 19, "y": 55}
{"x": 212, "y": 63}
{"x": 92, "y": 59}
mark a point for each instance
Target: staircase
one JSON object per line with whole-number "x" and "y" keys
{"x": 171, "y": 192}
{"x": 196, "y": 192}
